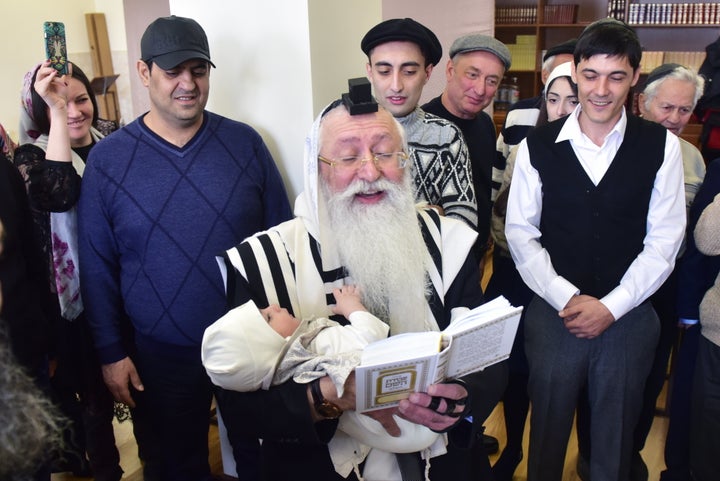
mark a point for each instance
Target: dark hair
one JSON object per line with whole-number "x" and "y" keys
{"x": 609, "y": 37}
{"x": 39, "y": 107}
{"x": 543, "y": 115}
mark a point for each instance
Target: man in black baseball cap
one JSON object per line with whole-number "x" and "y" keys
{"x": 161, "y": 198}
{"x": 401, "y": 55}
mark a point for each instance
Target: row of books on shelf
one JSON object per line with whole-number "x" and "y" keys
{"x": 616, "y": 9}
{"x": 560, "y": 13}
{"x": 516, "y": 15}
{"x": 652, "y": 59}
{"x": 528, "y": 14}
{"x": 674, "y": 14}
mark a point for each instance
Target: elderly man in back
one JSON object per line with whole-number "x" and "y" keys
{"x": 669, "y": 98}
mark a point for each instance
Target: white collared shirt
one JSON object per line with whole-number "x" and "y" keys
{"x": 665, "y": 222}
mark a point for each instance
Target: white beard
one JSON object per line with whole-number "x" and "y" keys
{"x": 382, "y": 248}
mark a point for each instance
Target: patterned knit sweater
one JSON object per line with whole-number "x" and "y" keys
{"x": 152, "y": 218}
{"x": 441, "y": 165}
{"x": 707, "y": 239}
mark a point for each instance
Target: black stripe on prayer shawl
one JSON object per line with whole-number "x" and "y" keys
{"x": 432, "y": 244}
{"x": 278, "y": 279}
{"x": 232, "y": 285}
{"x": 330, "y": 277}
{"x": 435, "y": 300}
{"x": 252, "y": 274}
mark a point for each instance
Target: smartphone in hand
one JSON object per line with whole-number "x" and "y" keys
{"x": 55, "y": 46}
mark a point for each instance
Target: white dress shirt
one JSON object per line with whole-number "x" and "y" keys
{"x": 665, "y": 222}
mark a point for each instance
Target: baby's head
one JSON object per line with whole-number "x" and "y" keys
{"x": 280, "y": 320}
{"x": 240, "y": 350}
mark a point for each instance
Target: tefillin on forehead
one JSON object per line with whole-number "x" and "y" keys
{"x": 358, "y": 100}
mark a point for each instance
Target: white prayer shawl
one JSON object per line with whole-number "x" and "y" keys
{"x": 283, "y": 260}
{"x": 64, "y": 242}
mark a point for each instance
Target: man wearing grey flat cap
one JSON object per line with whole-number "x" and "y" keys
{"x": 476, "y": 67}
{"x": 160, "y": 199}
{"x": 401, "y": 56}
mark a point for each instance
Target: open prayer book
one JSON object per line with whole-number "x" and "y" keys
{"x": 393, "y": 368}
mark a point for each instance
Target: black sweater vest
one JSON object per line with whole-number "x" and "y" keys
{"x": 593, "y": 233}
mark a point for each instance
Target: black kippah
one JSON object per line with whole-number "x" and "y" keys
{"x": 661, "y": 71}
{"x": 565, "y": 47}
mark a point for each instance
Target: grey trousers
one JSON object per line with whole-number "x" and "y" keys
{"x": 613, "y": 366}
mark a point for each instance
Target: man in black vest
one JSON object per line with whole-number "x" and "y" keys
{"x": 596, "y": 215}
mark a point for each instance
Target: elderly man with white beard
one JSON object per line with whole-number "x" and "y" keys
{"x": 357, "y": 223}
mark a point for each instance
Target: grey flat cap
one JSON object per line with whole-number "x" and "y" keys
{"x": 477, "y": 42}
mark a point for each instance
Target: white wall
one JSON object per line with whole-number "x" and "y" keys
{"x": 262, "y": 54}
{"x": 138, "y": 15}
{"x": 336, "y": 28}
{"x": 22, "y": 39}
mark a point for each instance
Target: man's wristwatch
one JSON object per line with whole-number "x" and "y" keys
{"x": 323, "y": 407}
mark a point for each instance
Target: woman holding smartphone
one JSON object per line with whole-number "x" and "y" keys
{"x": 58, "y": 127}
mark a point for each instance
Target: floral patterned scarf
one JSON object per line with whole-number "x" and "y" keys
{"x": 63, "y": 225}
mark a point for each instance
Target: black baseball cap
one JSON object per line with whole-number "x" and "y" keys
{"x": 170, "y": 41}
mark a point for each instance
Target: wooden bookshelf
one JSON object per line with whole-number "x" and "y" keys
{"x": 671, "y": 27}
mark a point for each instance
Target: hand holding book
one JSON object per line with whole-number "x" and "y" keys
{"x": 394, "y": 367}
